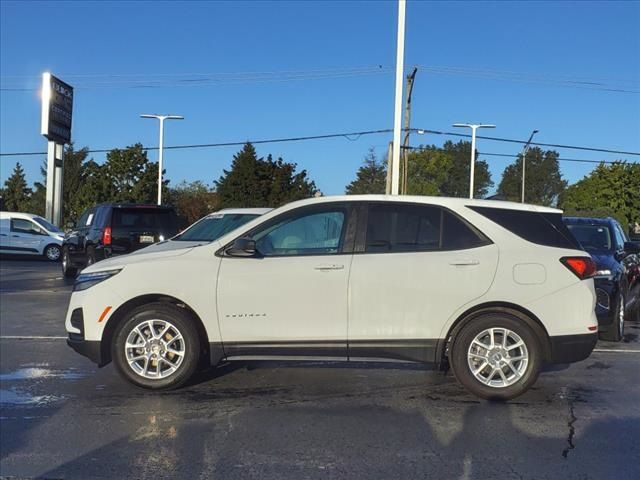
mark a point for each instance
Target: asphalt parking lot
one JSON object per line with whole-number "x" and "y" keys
{"x": 61, "y": 417}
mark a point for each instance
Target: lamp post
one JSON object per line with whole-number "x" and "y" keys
{"x": 524, "y": 157}
{"x": 162, "y": 118}
{"x": 473, "y": 128}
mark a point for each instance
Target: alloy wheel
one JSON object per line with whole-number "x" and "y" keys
{"x": 498, "y": 357}
{"x": 52, "y": 253}
{"x": 154, "y": 349}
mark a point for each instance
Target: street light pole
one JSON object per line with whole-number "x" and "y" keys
{"x": 162, "y": 118}
{"x": 473, "y": 128}
{"x": 524, "y": 158}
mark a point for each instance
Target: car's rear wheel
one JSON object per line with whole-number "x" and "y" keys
{"x": 156, "y": 346}
{"x": 496, "y": 356}
{"x": 52, "y": 252}
{"x": 615, "y": 331}
{"x": 68, "y": 270}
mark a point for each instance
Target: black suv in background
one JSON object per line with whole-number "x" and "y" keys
{"x": 617, "y": 277}
{"x": 112, "y": 229}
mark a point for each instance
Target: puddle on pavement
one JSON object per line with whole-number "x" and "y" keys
{"x": 34, "y": 373}
{"x": 16, "y": 397}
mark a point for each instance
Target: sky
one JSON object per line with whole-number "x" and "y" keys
{"x": 557, "y": 67}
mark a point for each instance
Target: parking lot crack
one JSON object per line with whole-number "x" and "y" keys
{"x": 572, "y": 430}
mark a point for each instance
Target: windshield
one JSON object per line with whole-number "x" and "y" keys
{"x": 46, "y": 225}
{"x": 592, "y": 237}
{"x": 214, "y": 226}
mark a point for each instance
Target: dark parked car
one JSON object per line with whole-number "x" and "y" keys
{"x": 111, "y": 229}
{"x": 618, "y": 276}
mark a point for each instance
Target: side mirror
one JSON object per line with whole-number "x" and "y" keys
{"x": 242, "y": 247}
{"x": 631, "y": 247}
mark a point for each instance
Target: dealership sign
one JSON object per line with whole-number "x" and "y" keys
{"x": 57, "y": 108}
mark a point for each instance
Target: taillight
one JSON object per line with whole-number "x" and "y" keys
{"x": 582, "y": 267}
{"x": 106, "y": 236}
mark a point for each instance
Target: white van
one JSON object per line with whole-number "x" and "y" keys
{"x": 29, "y": 234}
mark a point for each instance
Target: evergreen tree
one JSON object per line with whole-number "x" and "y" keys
{"x": 371, "y": 176}
{"x": 16, "y": 193}
{"x": 255, "y": 182}
{"x": 543, "y": 180}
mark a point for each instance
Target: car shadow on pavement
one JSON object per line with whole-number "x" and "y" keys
{"x": 341, "y": 440}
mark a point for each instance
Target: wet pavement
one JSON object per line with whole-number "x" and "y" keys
{"x": 61, "y": 417}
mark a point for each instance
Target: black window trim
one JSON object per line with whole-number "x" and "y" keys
{"x": 346, "y": 242}
{"x": 361, "y": 236}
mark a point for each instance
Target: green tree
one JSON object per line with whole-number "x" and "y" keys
{"x": 371, "y": 176}
{"x": 457, "y": 181}
{"x": 543, "y": 180}
{"x": 256, "y": 182}
{"x": 193, "y": 200}
{"x": 609, "y": 190}
{"x": 429, "y": 169}
{"x": 130, "y": 176}
{"x": 16, "y": 193}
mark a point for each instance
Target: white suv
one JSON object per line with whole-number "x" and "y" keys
{"x": 493, "y": 289}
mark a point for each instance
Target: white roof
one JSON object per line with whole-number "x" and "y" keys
{"x": 444, "y": 201}
{"x": 17, "y": 215}
{"x": 243, "y": 211}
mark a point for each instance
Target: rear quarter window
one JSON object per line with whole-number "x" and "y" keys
{"x": 545, "y": 229}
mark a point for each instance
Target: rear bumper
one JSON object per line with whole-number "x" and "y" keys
{"x": 572, "y": 348}
{"x": 87, "y": 348}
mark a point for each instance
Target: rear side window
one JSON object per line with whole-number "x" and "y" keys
{"x": 542, "y": 228}
{"x": 417, "y": 228}
{"x": 145, "y": 219}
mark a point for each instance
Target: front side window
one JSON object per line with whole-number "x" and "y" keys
{"x": 313, "y": 233}
{"x": 417, "y": 228}
{"x": 25, "y": 226}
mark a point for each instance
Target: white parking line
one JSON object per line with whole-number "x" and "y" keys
{"x": 30, "y": 337}
{"x": 613, "y": 350}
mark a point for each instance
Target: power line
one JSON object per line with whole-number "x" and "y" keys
{"x": 560, "y": 159}
{"x": 510, "y": 140}
{"x": 352, "y": 136}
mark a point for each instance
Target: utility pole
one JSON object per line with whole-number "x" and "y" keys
{"x": 387, "y": 190}
{"x": 524, "y": 158}
{"x": 395, "y": 165}
{"x": 407, "y": 126}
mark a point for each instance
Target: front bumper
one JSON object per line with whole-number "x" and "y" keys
{"x": 572, "y": 348}
{"x": 88, "y": 348}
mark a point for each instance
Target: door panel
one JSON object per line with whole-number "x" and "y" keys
{"x": 412, "y": 295}
{"x": 291, "y": 299}
{"x": 284, "y": 299}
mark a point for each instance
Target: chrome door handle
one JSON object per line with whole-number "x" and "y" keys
{"x": 464, "y": 262}
{"x": 328, "y": 267}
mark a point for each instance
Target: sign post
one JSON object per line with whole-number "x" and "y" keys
{"x": 57, "y": 109}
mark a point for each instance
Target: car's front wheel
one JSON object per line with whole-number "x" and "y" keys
{"x": 52, "y": 252}
{"x": 496, "y": 356}
{"x": 68, "y": 270}
{"x": 156, "y": 346}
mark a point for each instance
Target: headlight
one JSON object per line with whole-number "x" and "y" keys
{"x": 88, "y": 280}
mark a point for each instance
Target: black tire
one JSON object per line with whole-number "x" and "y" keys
{"x": 183, "y": 323}
{"x": 91, "y": 257}
{"x": 462, "y": 344}
{"x": 615, "y": 331}
{"x": 52, "y": 252}
{"x": 68, "y": 271}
